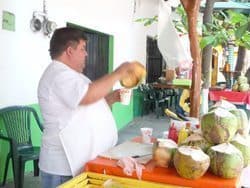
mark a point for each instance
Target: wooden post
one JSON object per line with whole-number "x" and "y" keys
{"x": 192, "y": 8}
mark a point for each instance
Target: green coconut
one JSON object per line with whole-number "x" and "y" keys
{"x": 225, "y": 160}
{"x": 244, "y": 87}
{"x": 243, "y": 145}
{"x": 222, "y": 104}
{"x": 241, "y": 115}
{"x": 191, "y": 162}
{"x": 243, "y": 83}
{"x": 198, "y": 141}
{"x": 242, "y": 79}
{"x": 163, "y": 152}
{"x": 219, "y": 126}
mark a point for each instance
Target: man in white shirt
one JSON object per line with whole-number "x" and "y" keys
{"x": 74, "y": 109}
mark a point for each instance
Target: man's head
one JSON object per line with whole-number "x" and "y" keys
{"x": 69, "y": 46}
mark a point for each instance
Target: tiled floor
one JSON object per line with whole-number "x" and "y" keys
{"x": 131, "y": 130}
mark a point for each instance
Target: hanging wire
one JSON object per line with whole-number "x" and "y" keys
{"x": 45, "y": 7}
{"x": 134, "y": 7}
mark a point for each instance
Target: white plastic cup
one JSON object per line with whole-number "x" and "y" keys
{"x": 165, "y": 134}
{"x": 125, "y": 95}
{"x": 146, "y": 135}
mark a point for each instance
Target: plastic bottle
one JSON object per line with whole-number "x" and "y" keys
{"x": 173, "y": 133}
{"x": 188, "y": 128}
{"x": 183, "y": 134}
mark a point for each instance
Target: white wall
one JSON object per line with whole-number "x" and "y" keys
{"x": 24, "y": 54}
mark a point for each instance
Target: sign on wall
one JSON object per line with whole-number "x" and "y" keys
{"x": 8, "y": 21}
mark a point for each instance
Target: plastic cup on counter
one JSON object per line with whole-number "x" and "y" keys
{"x": 146, "y": 135}
{"x": 165, "y": 134}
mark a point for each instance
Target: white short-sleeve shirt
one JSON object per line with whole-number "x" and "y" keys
{"x": 60, "y": 91}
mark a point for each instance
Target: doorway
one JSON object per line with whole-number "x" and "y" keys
{"x": 99, "y": 47}
{"x": 154, "y": 61}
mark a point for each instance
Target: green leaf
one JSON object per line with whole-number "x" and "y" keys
{"x": 178, "y": 28}
{"x": 155, "y": 18}
{"x": 206, "y": 41}
{"x": 148, "y": 22}
{"x": 221, "y": 37}
{"x": 139, "y": 20}
{"x": 247, "y": 46}
{"x": 224, "y": 16}
{"x": 246, "y": 40}
{"x": 246, "y": 36}
{"x": 204, "y": 29}
{"x": 240, "y": 31}
{"x": 236, "y": 17}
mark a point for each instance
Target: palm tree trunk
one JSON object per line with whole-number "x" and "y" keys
{"x": 207, "y": 58}
{"x": 240, "y": 63}
{"x": 207, "y": 51}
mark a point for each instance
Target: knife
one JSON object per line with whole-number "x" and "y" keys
{"x": 138, "y": 156}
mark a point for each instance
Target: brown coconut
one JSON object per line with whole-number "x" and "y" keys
{"x": 135, "y": 76}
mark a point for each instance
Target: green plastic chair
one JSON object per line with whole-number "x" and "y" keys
{"x": 17, "y": 122}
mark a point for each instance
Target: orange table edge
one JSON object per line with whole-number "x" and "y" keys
{"x": 160, "y": 175}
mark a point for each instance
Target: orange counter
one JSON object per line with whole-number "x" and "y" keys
{"x": 161, "y": 175}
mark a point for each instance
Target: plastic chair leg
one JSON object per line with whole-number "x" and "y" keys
{"x": 36, "y": 168}
{"x": 6, "y": 169}
{"x": 146, "y": 106}
{"x": 176, "y": 100}
{"x": 21, "y": 174}
{"x": 157, "y": 110}
{"x": 171, "y": 100}
{"x": 165, "y": 105}
{"x": 142, "y": 110}
{"x": 15, "y": 167}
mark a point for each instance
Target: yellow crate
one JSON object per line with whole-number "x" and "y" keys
{"x": 95, "y": 180}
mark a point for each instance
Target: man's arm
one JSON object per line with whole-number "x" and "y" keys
{"x": 101, "y": 87}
